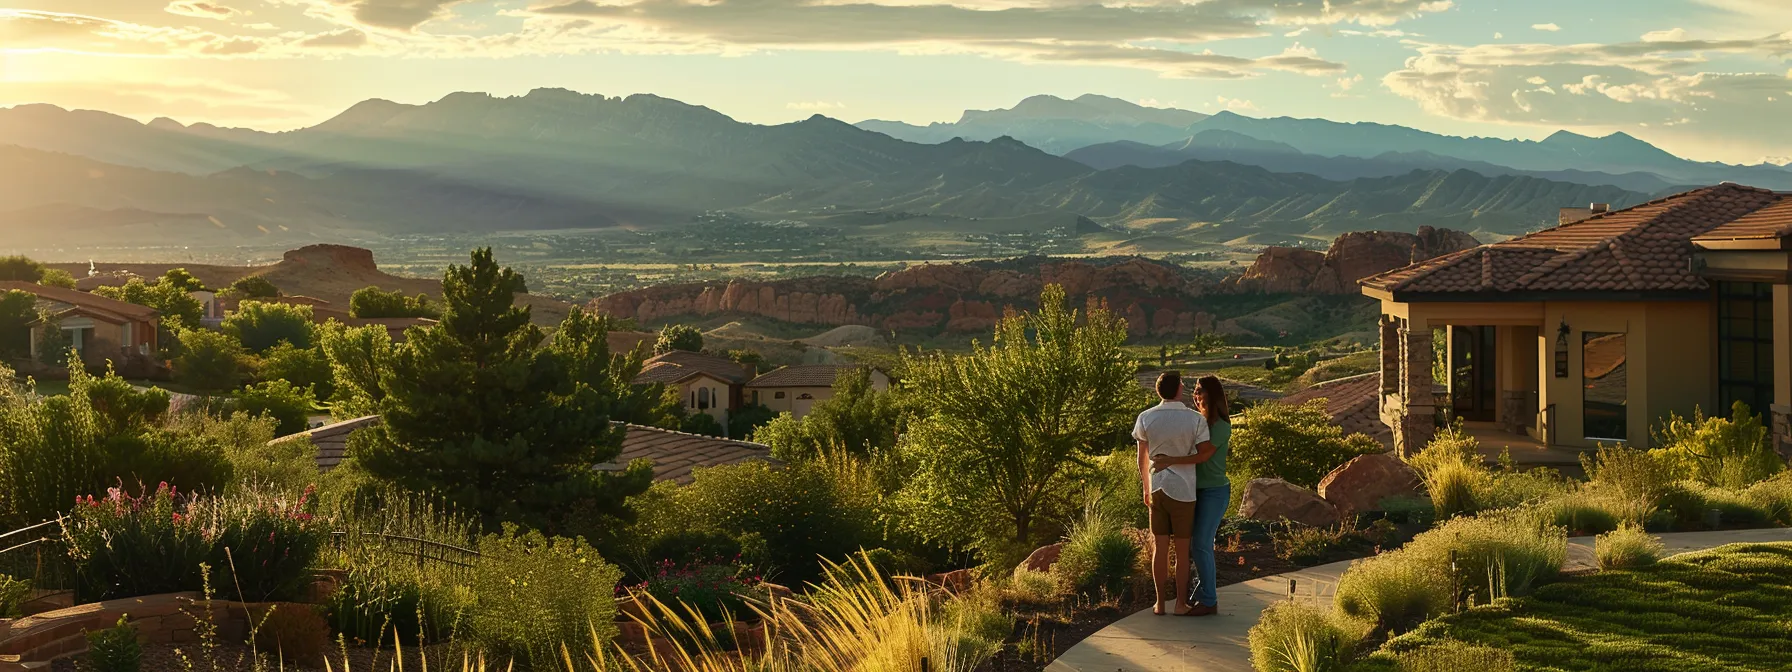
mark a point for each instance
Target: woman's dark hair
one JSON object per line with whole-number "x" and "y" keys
{"x": 1213, "y": 399}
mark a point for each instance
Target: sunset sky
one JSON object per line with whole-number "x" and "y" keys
{"x": 1707, "y": 79}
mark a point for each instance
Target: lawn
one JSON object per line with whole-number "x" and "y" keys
{"x": 1722, "y": 609}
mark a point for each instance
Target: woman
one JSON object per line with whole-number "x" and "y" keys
{"x": 1212, "y": 491}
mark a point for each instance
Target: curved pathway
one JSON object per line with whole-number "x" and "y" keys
{"x": 1146, "y": 643}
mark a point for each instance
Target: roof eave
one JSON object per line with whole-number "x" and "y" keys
{"x": 1532, "y": 295}
{"x": 1759, "y": 243}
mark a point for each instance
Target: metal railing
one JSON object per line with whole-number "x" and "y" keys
{"x": 424, "y": 551}
{"x": 36, "y": 553}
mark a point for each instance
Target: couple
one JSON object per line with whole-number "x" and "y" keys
{"x": 1182, "y": 464}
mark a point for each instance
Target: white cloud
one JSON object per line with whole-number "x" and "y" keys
{"x": 1297, "y": 32}
{"x": 1236, "y": 104}
{"x": 814, "y": 106}
{"x": 1499, "y": 36}
{"x": 1546, "y": 27}
{"x": 202, "y": 10}
{"x": 1347, "y": 83}
{"x": 1537, "y": 80}
{"x": 1674, "y": 35}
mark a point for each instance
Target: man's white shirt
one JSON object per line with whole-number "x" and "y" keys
{"x": 1172, "y": 429}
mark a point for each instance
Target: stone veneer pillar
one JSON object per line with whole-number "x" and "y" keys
{"x": 1418, "y": 421}
{"x": 1390, "y": 356}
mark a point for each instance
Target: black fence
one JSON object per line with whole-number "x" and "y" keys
{"x": 427, "y": 554}
{"x": 39, "y": 554}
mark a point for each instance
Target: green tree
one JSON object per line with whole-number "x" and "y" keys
{"x": 255, "y": 287}
{"x": 52, "y": 342}
{"x": 290, "y": 406}
{"x": 702, "y": 423}
{"x": 1300, "y": 444}
{"x": 1001, "y": 432}
{"x": 372, "y": 302}
{"x": 476, "y": 412}
{"x": 583, "y": 342}
{"x": 303, "y": 367}
{"x": 56, "y": 277}
{"x": 17, "y": 311}
{"x": 260, "y": 325}
{"x": 679, "y": 337}
{"x": 180, "y": 279}
{"x": 1207, "y": 343}
{"x": 359, "y": 357}
{"x": 167, "y": 298}
{"x": 210, "y": 361}
{"x": 22, "y": 268}
{"x": 857, "y": 418}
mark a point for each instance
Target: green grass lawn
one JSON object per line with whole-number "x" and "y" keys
{"x": 1729, "y": 608}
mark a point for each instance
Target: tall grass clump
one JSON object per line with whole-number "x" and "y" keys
{"x": 1627, "y": 547}
{"x": 1496, "y": 554}
{"x": 1773, "y": 497}
{"x": 1295, "y": 637}
{"x": 1392, "y": 593}
{"x": 1454, "y": 485}
{"x": 1097, "y": 556}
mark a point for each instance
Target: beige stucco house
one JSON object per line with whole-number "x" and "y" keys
{"x": 1594, "y": 331}
{"x": 707, "y": 383}
{"x": 796, "y": 389}
{"x": 98, "y": 328}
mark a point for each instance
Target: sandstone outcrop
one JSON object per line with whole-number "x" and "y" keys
{"x": 1351, "y": 257}
{"x": 1360, "y": 484}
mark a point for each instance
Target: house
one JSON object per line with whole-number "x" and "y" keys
{"x": 707, "y": 383}
{"x": 96, "y": 327}
{"x": 796, "y": 389}
{"x": 1593, "y": 331}
{"x": 674, "y": 454}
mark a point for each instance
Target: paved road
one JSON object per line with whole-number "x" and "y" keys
{"x": 1143, "y": 642}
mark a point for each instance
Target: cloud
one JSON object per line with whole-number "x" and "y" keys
{"x": 1655, "y": 83}
{"x": 1297, "y": 32}
{"x": 1236, "y": 104}
{"x": 814, "y": 106}
{"x": 1546, "y": 27}
{"x": 1675, "y": 35}
{"x": 347, "y": 38}
{"x": 202, "y": 10}
{"x": 24, "y": 29}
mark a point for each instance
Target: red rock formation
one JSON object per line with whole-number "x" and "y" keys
{"x": 1352, "y": 257}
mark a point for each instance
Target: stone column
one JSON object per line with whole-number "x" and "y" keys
{"x": 1780, "y": 415}
{"x": 1390, "y": 356}
{"x": 1419, "y": 420}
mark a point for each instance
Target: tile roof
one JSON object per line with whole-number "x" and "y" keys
{"x": 803, "y": 375}
{"x": 1647, "y": 248}
{"x": 659, "y": 369}
{"x": 1773, "y": 221}
{"x": 83, "y": 299}
{"x": 676, "y": 454}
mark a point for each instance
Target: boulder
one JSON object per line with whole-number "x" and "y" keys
{"x": 1276, "y": 499}
{"x": 1042, "y": 558}
{"x": 1360, "y": 484}
{"x": 956, "y": 581}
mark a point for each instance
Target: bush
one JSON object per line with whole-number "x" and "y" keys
{"x": 1627, "y": 547}
{"x": 1295, "y": 637}
{"x": 690, "y": 547}
{"x": 717, "y": 591}
{"x": 1773, "y": 497}
{"x": 1448, "y": 446}
{"x": 678, "y": 337}
{"x": 390, "y": 598}
{"x": 56, "y": 277}
{"x": 802, "y": 512}
{"x": 303, "y": 367}
{"x": 1300, "y": 444}
{"x": 264, "y": 548}
{"x": 1454, "y": 486}
{"x": 1729, "y": 453}
{"x": 13, "y": 595}
{"x": 21, "y": 268}
{"x": 1306, "y": 546}
{"x": 1628, "y": 472}
{"x": 1497, "y": 554}
{"x": 115, "y": 649}
{"x": 1392, "y": 593}
{"x": 701, "y": 423}
{"x": 125, "y": 546}
{"x": 255, "y": 287}
{"x": 209, "y": 360}
{"x": 537, "y": 594}
{"x": 1097, "y": 556}
{"x": 1582, "y": 513}
{"x": 1034, "y": 588}
{"x": 290, "y": 407}
{"x": 371, "y": 302}
{"x": 293, "y": 634}
{"x": 261, "y": 325}
{"x": 1114, "y": 487}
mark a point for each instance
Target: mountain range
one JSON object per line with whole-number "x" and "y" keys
{"x": 556, "y": 159}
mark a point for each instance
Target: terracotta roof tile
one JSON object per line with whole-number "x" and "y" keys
{"x": 1640, "y": 249}
{"x": 676, "y": 454}
{"x": 720, "y": 367}
{"x": 803, "y": 375}
{"x": 1773, "y": 221}
{"x": 82, "y": 299}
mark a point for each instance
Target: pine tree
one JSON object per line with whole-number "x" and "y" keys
{"x": 475, "y": 411}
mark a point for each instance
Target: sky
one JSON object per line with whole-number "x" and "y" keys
{"x": 1705, "y": 79}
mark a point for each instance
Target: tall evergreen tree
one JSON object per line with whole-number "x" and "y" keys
{"x": 475, "y": 411}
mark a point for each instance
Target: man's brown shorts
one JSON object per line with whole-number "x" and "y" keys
{"x": 1171, "y": 517}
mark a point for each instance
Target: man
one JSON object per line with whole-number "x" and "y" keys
{"x": 1170, "y": 430}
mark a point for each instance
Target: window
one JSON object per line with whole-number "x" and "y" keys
{"x": 702, "y": 398}
{"x": 1605, "y": 383}
{"x": 779, "y": 395}
{"x": 804, "y": 396}
{"x": 1744, "y": 346}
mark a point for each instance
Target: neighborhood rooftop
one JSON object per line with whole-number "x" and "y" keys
{"x": 803, "y": 375}
{"x": 81, "y": 299}
{"x": 678, "y": 365}
{"x": 1645, "y": 249}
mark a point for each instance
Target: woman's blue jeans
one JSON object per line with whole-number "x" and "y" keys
{"x": 1210, "y": 509}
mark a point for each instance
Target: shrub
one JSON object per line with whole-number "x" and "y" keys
{"x": 115, "y": 649}
{"x": 679, "y": 337}
{"x": 56, "y": 277}
{"x": 1586, "y": 514}
{"x": 18, "y": 310}
{"x": 303, "y": 367}
{"x": 1497, "y": 554}
{"x": 1773, "y": 497}
{"x": 209, "y": 360}
{"x": 170, "y": 298}
{"x": 1449, "y": 445}
{"x": 124, "y": 546}
{"x": 1392, "y": 592}
{"x": 1114, "y": 487}
{"x": 263, "y": 547}
{"x": 1300, "y": 444}
{"x": 1734, "y": 508}
{"x": 1303, "y": 545}
{"x": 717, "y": 590}
{"x": 1295, "y": 637}
{"x": 690, "y": 547}
{"x": 1730, "y": 453}
{"x": 21, "y": 268}
{"x": 260, "y": 325}
{"x": 381, "y": 598}
{"x": 371, "y": 302}
{"x": 1034, "y": 588}
{"x": 1629, "y": 473}
{"x": 536, "y": 594}
{"x": 1454, "y": 486}
{"x": 1097, "y": 556}
{"x": 255, "y": 287}
{"x": 293, "y": 633}
{"x": 701, "y": 423}
{"x": 13, "y": 595}
{"x": 802, "y": 512}
{"x": 289, "y": 406}
{"x": 1627, "y": 547}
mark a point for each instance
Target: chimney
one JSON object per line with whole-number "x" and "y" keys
{"x": 1600, "y": 207}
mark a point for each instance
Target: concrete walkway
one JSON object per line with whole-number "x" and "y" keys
{"x": 1143, "y": 642}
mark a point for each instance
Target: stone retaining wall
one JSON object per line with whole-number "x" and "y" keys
{"x": 30, "y": 643}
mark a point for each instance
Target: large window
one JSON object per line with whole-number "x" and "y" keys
{"x": 1744, "y": 345}
{"x": 1605, "y": 381}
